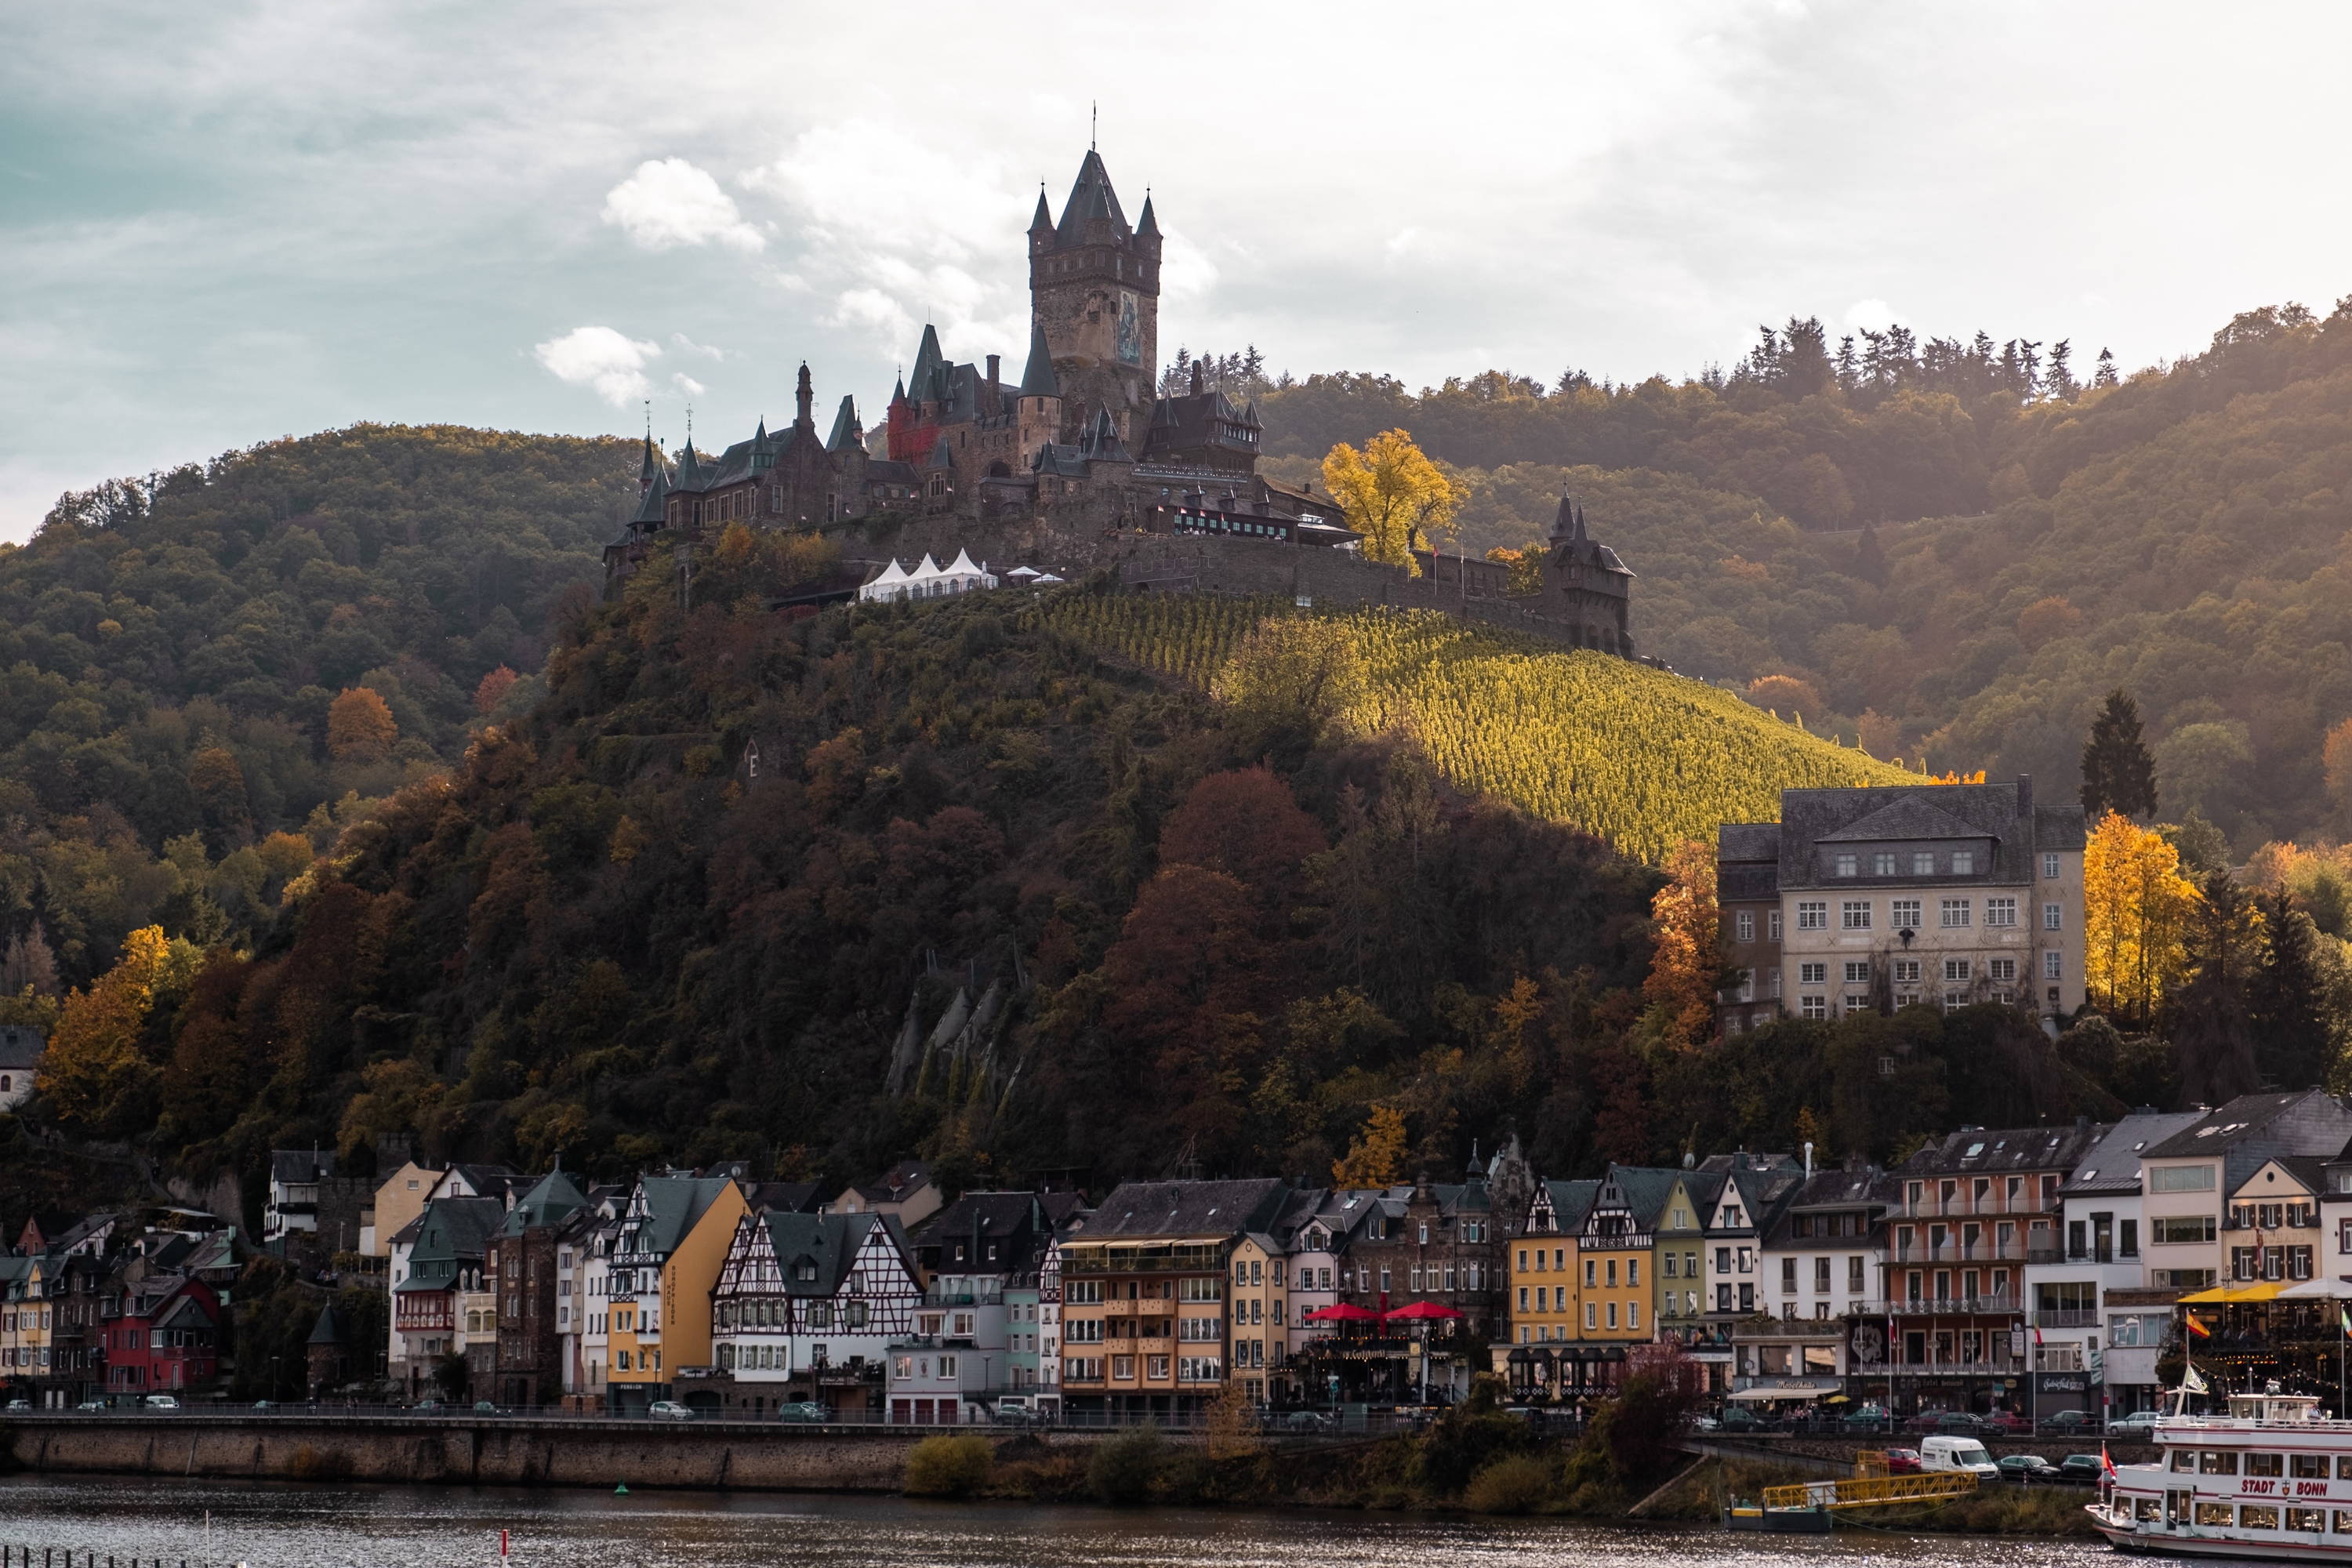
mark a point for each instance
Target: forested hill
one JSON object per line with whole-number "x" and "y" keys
{"x": 1945, "y": 546}
{"x": 170, "y": 650}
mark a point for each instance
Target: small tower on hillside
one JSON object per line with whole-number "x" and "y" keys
{"x": 1037, "y": 403}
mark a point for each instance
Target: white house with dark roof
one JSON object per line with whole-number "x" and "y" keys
{"x": 2094, "y": 1318}
{"x": 21, "y": 1049}
{"x": 1874, "y": 899}
{"x": 806, "y": 1308}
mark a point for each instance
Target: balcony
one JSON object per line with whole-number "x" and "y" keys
{"x": 2006, "y": 1306}
{"x": 987, "y": 1295}
{"x": 2013, "y": 1250}
{"x": 2067, "y": 1318}
{"x": 1961, "y": 1206}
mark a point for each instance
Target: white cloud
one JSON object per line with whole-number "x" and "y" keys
{"x": 1875, "y": 314}
{"x": 680, "y": 342}
{"x": 687, "y": 385}
{"x": 668, "y": 202}
{"x": 611, "y": 363}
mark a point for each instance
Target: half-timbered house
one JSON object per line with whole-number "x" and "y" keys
{"x": 805, "y": 1309}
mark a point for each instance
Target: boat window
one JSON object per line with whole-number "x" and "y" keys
{"x": 2307, "y": 1467}
{"x": 2147, "y": 1509}
{"x": 2218, "y": 1461}
{"x": 2344, "y": 1522}
{"x": 2218, "y": 1513}
{"x": 2266, "y": 1464}
{"x": 2258, "y": 1517}
{"x": 2311, "y": 1519}
{"x": 2343, "y": 1467}
{"x": 2185, "y": 1460}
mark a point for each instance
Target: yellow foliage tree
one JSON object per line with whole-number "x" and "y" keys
{"x": 94, "y": 1066}
{"x": 360, "y": 727}
{"x": 2136, "y": 913}
{"x": 1376, "y": 1158}
{"x": 1687, "y": 961}
{"x": 1394, "y": 496}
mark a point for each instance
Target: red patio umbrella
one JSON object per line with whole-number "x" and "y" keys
{"x": 1342, "y": 1312}
{"x": 1423, "y": 1311}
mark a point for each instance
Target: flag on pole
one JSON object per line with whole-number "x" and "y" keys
{"x": 2197, "y": 1327}
{"x": 2190, "y": 1380}
{"x": 2344, "y": 1316}
{"x": 2037, "y": 1337}
{"x": 2105, "y": 1463}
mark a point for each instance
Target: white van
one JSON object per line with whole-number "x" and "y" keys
{"x": 1957, "y": 1454}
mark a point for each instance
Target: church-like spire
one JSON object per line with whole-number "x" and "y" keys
{"x": 689, "y": 472}
{"x": 1146, "y": 223}
{"x": 1037, "y": 379}
{"x": 845, "y": 429}
{"x": 651, "y": 467}
{"x": 650, "y": 506}
{"x": 930, "y": 383}
{"x": 1043, "y": 222}
{"x": 1091, "y": 197}
{"x": 1563, "y": 526}
{"x": 804, "y": 401}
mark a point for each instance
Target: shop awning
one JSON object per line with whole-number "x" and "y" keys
{"x": 1783, "y": 1390}
{"x": 2232, "y": 1295}
{"x": 1423, "y": 1311}
{"x": 1341, "y": 1313}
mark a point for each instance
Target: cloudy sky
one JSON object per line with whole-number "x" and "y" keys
{"x": 225, "y": 222}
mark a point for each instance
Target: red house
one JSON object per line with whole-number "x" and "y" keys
{"x": 165, "y": 1339}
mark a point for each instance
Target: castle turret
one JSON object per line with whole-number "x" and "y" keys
{"x": 1094, "y": 287}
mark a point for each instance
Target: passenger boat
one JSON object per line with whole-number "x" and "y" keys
{"x": 2272, "y": 1480}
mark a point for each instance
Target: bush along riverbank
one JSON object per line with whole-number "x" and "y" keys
{"x": 1475, "y": 1459}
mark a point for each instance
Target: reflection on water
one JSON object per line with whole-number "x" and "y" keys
{"x": 388, "y": 1527}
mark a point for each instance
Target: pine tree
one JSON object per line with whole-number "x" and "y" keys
{"x": 2059, "y": 379}
{"x": 2118, "y": 772}
{"x": 2105, "y": 375}
{"x": 1849, "y": 367}
{"x": 2212, "y": 1023}
{"x": 2287, "y": 997}
{"x": 1869, "y": 558}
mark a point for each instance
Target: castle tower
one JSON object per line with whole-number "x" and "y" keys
{"x": 1094, "y": 288}
{"x": 1037, "y": 403}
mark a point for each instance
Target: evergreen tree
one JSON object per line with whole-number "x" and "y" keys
{"x": 2059, "y": 379}
{"x": 1805, "y": 366}
{"x": 2105, "y": 375}
{"x": 2212, "y": 1022}
{"x": 1869, "y": 558}
{"x": 2287, "y": 997}
{"x": 1849, "y": 367}
{"x": 2118, "y": 772}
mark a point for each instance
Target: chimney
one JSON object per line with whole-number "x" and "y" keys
{"x": 993, "y": 360}
{"x": 2025, "y": 796}
{"x": 1809, "y": 1161}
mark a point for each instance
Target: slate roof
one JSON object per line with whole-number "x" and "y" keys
{"x": 450, "y": 1232}
{"x": 830, "y": 1241}
{"x": 651, "y": 504}
{"x": 2112, "y": 1164}
{"x": 1836, "y": 1190}
{"x": 21, "y": 1046}
{"x": 1186, "y": 1208}
{"x": 844, "y": 426}
{"x": 2240, "y": 1118}
{"x": 1811, "y": 816}
{"x": 288, "y": 1166}
{"x": 1976, "y": 1152}
{"x": 552, "y": 1200}
{"x": 1572, "y": 1201}
{"x": 1090, "y": 197}
{"x": 1912, "y": 816}
{"x": 791, "y": 1198}
{"x": 1038, "y": 379}
{"x": 673, "y": 1204}
{"x": 327, "y": 1329}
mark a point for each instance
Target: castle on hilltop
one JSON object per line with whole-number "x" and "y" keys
{"x": 1082, "y": 460}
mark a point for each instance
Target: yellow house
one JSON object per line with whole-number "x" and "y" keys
{"x": 1261, "y": 1307}
{"x": 399, "y": 1198}
{"x": 666, "y": 1260}
{"x": 1616, "y": 1277}
{"x": 24, "y": 1320}
{"x": 1544, "y": 1299}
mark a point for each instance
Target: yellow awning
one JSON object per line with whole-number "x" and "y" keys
{"x": 2229, "y": 1295}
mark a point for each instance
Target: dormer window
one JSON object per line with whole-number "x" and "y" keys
{"x": 1849, "y": 866}
{"x": 1964, "y": 863}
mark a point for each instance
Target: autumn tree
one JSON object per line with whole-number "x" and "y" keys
{"x": 2118, "y": 775}
{"x": 493, "y": 688}
{"x": 1376, "y": 1158}
{"x": 1687, "y": 962}
{"x": 2335, "y": 759}
{"x": 97, "y": 1072}
{"x": 360, "y": 727}
{"x": 1787, "y": 695}
{"x": 2136, "y": 908}
{"x": 1394, "y": 495}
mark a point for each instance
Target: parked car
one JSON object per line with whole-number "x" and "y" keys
{"x": 1963, "y": 1423}
{"x": 803, "y": 1411}
{"x": 91, "y": 1404}
{"x": 2068, "y": 1421}
{"x": 1704, "y": 1424}
{"x": 667, "y": 1410}
{"x": 19, "y": 1406}
{"x": 264, "y": 1406}
{"x": 1865, "y": 1418}
{"x": 1903, "y": 1461}
{"x": 2025, "y": 1468}
{"x": 1926, "y": 1420}
{"x": 1306, "y": 1421}
{"x": 485, "y": 1407}
{"x": 160, "y": 1401}
{"x": 2084, "y": 1467}
{"x": 1739, "y": 1418}
{"x": 427, "y": 1408}
{"x": 2004, "y": 1423}
{"x": 2139, "y": 1427}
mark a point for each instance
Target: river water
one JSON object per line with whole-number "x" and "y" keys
{"x": 288, "y": 1526}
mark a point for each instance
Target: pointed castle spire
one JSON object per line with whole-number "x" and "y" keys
{"x": 1146, "y": 223}
{"x": 847, "y": 431}
{"x": 803, "y": 400}
{"x": 1037, "y": 379}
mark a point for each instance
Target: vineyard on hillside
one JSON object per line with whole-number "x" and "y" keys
{"x": 1638, "y": 756}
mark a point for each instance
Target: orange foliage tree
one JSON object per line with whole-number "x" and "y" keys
{"x": 1687, "y": 964}
{"x": 360, "y": 728}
